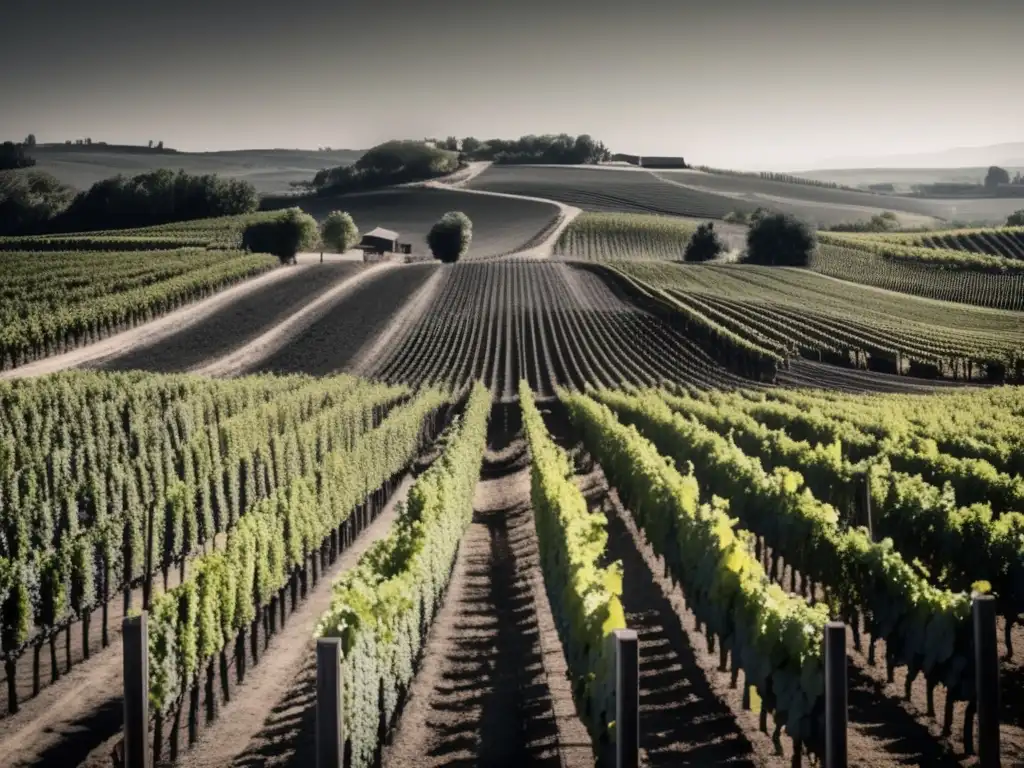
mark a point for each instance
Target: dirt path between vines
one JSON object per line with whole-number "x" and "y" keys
{"x": 278, "y": 336}
{"x": 395, "y": 332}
{"x": 492, "y": 689}
{"x": 151, "y": 332}
{"x": 251, "y": 723}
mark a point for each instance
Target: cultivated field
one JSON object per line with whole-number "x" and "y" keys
{"x": 631, "y": 190}
{"x": 475, "y": 476}
{"x": 787, "y": 312}
{"x": 271, "y": 171}
{"x": 500, "y": 225}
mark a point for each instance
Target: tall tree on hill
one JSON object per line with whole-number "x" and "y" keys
{"x": 338, "y": 233}
{"x": 30, "y": 140}
{"x": 780, "y": 240}
{"x": 996, "y": 176}
{"x": 705, "y": 244}
{"x": 450, "y": 237}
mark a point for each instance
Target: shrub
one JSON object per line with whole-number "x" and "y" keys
{"x": 284, "y": 237}
{"x": 449, "y": 238}
{"x": 778, "y": 239}
{"x": 1016, "y": 219}
{"x": 705, "y": 244}
{"x": 339, "y": 232}
{"x": 14, "y": 156}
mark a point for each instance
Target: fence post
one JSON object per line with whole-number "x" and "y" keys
{"x": 136, "y": 692}
{"x": 627, "y": 699}
{"x": 986, "y": 671}
{"x": 835, "y": 695}
{"x": 328, "y": 703}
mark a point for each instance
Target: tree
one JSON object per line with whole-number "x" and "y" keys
{"x": 705, "y": 244}
{"x": 88, "y": 141}
{"x": 1016, "y": 219}
{"x": 29, "y": 200}
{"x": 338, "y": 232}
{"x": 470, "y": 144}
{"x": 778, "y": 239}
{"x": 450, "y": 237}
{"x": 30, "y": 140}
{"x": 150, "y": 143}
{"x": 157, "y": 197}
{"x": 283, "y": 237}
{"x": 14, "y": 156}
{"x": 996, "y": 176}
{"x": 160, "y": 144}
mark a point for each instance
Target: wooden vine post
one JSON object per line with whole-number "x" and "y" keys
{"x": 835, "y": 695}
{"x": 136, "y": 692}
{"x": 329, "y": 728}
{"x": 627, "y": 699}
{"x": 986, "y": 671}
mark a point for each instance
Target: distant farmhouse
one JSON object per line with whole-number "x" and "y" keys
{"x": 380, "y": 241}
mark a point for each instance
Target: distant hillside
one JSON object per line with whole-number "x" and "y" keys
{"x": 271, "y": 171}
{"x": 960, "y": 157}
{"x": 904, "y": 179}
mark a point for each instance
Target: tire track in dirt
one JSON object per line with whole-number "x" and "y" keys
{"x": 492, "y": 688}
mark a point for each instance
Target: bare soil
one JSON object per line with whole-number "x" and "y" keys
{"x": 336, "y": 335}
{"x": 883, "y": 730}
{"x": 82, "y": 708}
{"x": 236, "y": 324}
{"x": 492, "y": 688}
{"x": 271, "y": 717}
{"x": 276, "y": 338}
{"x": 148, "y": 333}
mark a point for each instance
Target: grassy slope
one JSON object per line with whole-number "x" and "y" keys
{"x": 269, "y": 170}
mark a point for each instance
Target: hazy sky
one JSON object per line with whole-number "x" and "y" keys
{"x": 734, "y": 83}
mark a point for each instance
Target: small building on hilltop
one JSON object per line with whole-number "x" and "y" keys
{"x": 380, "y": 240}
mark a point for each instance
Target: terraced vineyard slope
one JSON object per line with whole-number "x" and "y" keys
{"x": 908, "y": 264}
{"x": 547, "y": 323}
{"x": 610, "y": 236}
{"x": 770, "y": 312}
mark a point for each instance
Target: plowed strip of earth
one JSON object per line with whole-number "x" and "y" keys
{"x": 334, "y": 340}
{"x": 149, "y": 333}
{"x": 236, "y": 324}
{"x": 492, "y": 690}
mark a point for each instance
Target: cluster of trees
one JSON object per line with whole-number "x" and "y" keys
{"x": 30, "y": 200}
{"x": 997, "y": 177}
{"x": 393, "y": 162}
{"x": 38, "y": 203}
{"x": 561, "y": 149}
{"x": 14, "y": 156}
